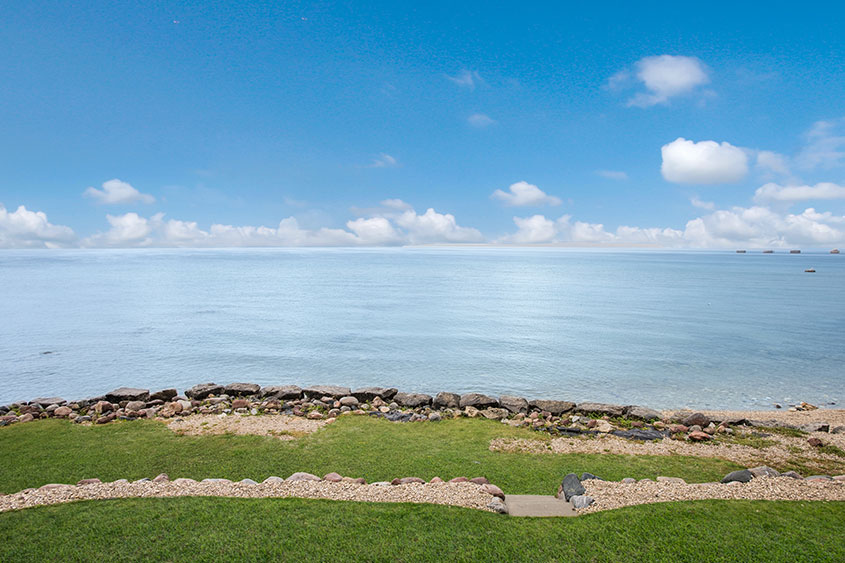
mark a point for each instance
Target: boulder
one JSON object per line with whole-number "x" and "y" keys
{"x": 791, "y": 475}
{"x": 699, "y": 436}
{"x": 320, "y": 391}
{"x": 349, "y": 401}
{"x": 103, "y": 406}
{"x": 696, "y": 419}
{"x": 409, "y": 480}
{"x": 163, "y": 395}
{"x": 161, "y": 478}
{"x": 241, "y": 389}
{"x": 495, "y": 414}
{"x": 815, "y": 442}
{"x": 128, "y": 394}
{"x": 479, "y": 480}
{"x": 816, "y": 427}
{"x": 557, "y": 408}
{"x": 641, "y": 413}
{"x": 434, "y": 417}
{"x": 283, "y": 392}
{"x": 604, "y": 426}
{"x": 369, "y": 393}
{"x": 436, "y": 480}
{"x": 570, "y": 487}
{"x": 333, "y": 478}
{"x": 478, "y": 401}
{"x": 302, "y": 476}
{"x": 62, "y": 412}
{"x": 514, "y": 404}
{"x": 445, "y": 400}
{"x": 135, "y": 406}
{"x": 600, "y": 408}
{"x": 838, "y": 430}
{"x": 412, "y": 400}
{"x": 675, "y": 480}
{"x": 498, "y": 506}
{"x": 581, "y": 501}
{"x": 586, "y": 476}
{"x": 47, "y": 401}
{"x": 741, "y": 476}
{"x": 240, "y": 404}
{"x": 639, "y": 434}
{"x": 491, "y": 489}
{"x": 203, "y": 390}
{"x": 764, "y": 471}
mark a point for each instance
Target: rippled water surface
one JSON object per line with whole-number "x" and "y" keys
{"x": 656, "y": 328}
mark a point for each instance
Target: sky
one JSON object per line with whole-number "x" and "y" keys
{"x": 197, "y": 124}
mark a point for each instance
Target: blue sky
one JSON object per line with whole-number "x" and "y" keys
{"x": 262, "y": 124}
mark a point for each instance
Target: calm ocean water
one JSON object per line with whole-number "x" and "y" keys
{"x": 664, "y": 329}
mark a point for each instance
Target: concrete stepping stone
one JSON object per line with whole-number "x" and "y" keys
{"x": 538, "y": 506}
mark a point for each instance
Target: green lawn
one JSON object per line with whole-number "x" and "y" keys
{"x": 54, "y": 451}
{"x": 203, "y": 529}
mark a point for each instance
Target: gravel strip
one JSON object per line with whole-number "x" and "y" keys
{"x": 468, "y": 495}
{"x": 609, "y": 495}
{"x": 835, "y": 417}
{"x": 279, "y": 426}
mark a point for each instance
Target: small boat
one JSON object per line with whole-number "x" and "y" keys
{"x": 740, "y": 252}
{"x": 768, "y": 252}
{"x": 810, "y": 271}
{"x": 835, "y": 251}
{"x": 795, "y": 252}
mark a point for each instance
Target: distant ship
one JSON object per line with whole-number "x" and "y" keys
{"x": 740, "y": 252}
{"x": 835, "y": 251}
{"x": 768, "y": 252}
{"x": 795, "y": 252}
{"x": 810, "y": 270}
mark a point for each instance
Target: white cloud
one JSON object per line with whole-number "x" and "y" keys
{"x": 664, "y": 77}
{"x": 776, "y": 192}
{"x": 769, "y": 161}
{"x": 534, "y": 229}
{"x": 709, "y": 205}
{"x": 480, "y": 120}
{"x": 705, "y": 162}
{"x": 23, "y": 228}
{"x": 117, "y": 192}
{"x": 384, "y": 160}
{"x": 433, "y": 227}
{"x": 523, "y": 194}
{"x": 612, "y": 174}
{"x": 825, "y": 145}
{"x": 396, "y": 204}
{"x": 467, "y": 79}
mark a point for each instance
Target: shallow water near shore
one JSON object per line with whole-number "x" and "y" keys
{"x": 664, "y": 329}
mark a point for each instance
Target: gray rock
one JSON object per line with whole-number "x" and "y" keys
{"x": 135, "y": 406}
{"x": 478, "y": 401}
{"x": 369, "y": 393}
{"x": 557, "y": 408}
{"x": 581, "y": 501}
{"x": 81, "y": 419}
{"x": 319, "y": 391}
{"x": 163, "y": 395}
{"x": 445, "y": 400}
{"x": 628, "y": 480}
{"x": 570, "y": 487}
{"x": 495, "y": 413}
{"x": 791, "y": 474}
{"x": 274, "y": 479}
{"x": 764, "y": 471}
{"x": 514, "y": 404}
{"x": 586, "y": 476}
{"x": 47, "y": 401}
{"x": 639, "y": 434}
{"x": 247, "y": 482}
{"x": 203, "y": 390}
{"x": 241, "y": 389}
{"x": 816, "y": 427}
{"x": 284, "y": 392}
{"x": 818, "y": 478}
{"x": 696, "y": 419}
{"x": 434, "y": 417}
{"x": 742, "y": 475}
{"x": 348, "y": 401}
{"x": 641, "y": 413}
{"x": 302, "y": 476}
{"x": 412, "y": 400}
{"x": 838, "y": 430}
{"x": 600, "y": 408}
{"x": 496, "y": 505}
{"x": 128, "y": 394}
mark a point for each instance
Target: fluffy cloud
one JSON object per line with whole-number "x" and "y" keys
{"x": 709, "y": 205}
{"x": 523, "y": 194}
{"x": 539, "y": 229}
{"x": 705, "y": 162}
{"x": 23, "y": 228}
{"x": 776, "y": 192}
{"x": 664, "y": 77}
{"x": 467, "y": 79}
{"x": 480, "y": 120}
{"x": 399, "y": 224}
{"x": 825, "y": 145}
{"x": 117, "y": 192}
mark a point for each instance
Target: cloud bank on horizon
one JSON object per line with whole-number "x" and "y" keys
{"x": 341, "y": 129}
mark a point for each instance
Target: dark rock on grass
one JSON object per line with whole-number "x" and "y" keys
{"x": 163, "y": 395}
{"x": 396, "y": 416}
{"x": 696, "y": 419}
{"x": 816, "y": 427}
{"x": 47, "y": 401}
{"x": 445, "y": 400}
{"x": 241, "y": 389}
{"x": 203, "y": 390}
{"x": 370, "y": 393}
{"x": 641, "y": 413}
{"x": 478, "y": 401}
{"x": 587, "y": 476}
{"x": 514, "y": 404}
{"x": 639, "y": 434}
{"x": 600, "y": 408}
{"x": 412, "y": 400}
{"x": 566, "y": 431}
{"x": 742, "y": 475}
{"x": 319, "y": 391}
{"x": 556, "y": 408}
{"x": 284, "y": 392}
{"x": 570, "y": 487}
{"x": 128, "y": 394}
{"x": 815, "y": 442}
{"x": 498, "y": 506}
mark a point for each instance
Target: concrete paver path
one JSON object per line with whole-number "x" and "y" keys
{"x": 538, "y": 505}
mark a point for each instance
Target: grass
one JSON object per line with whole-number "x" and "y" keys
{"x": 55, "y": 451}
{"x": 204, "y": 529}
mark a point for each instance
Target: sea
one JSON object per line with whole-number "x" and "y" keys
{"x": 662, "y": 329}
